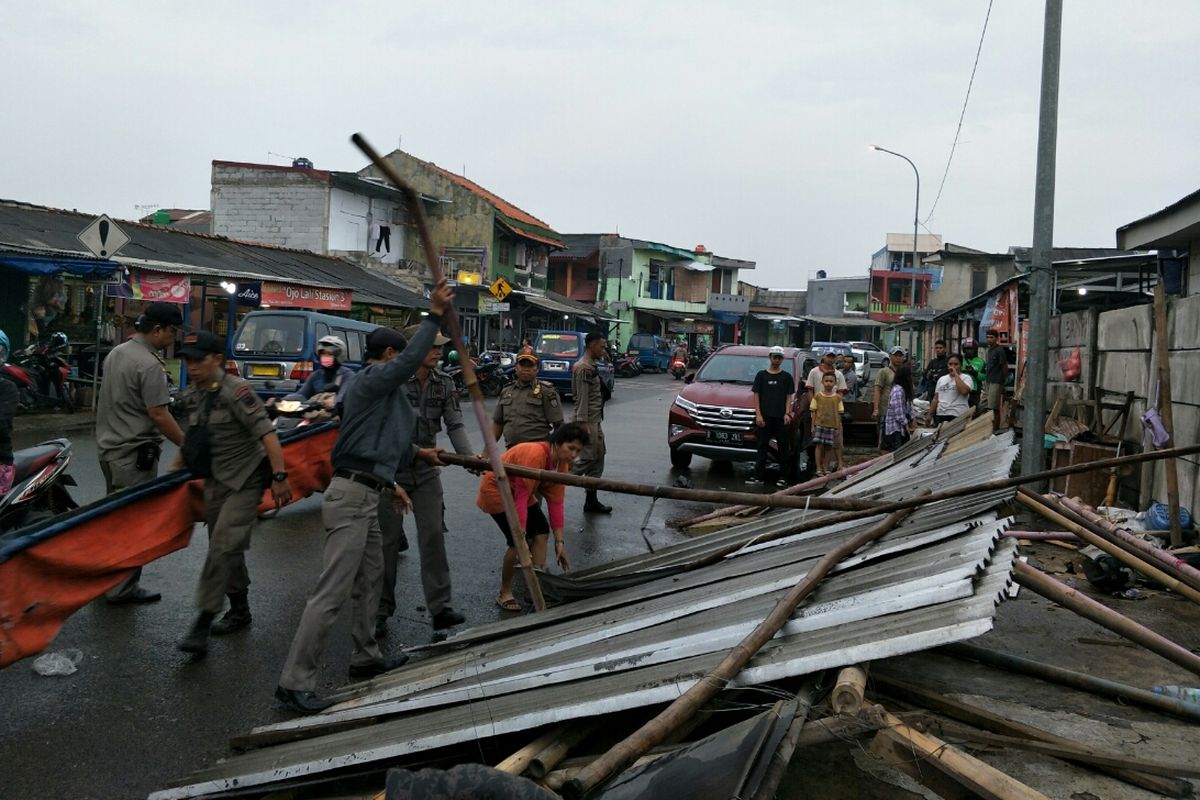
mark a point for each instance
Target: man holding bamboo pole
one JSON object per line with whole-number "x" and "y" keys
{"x": 376, "y": 438}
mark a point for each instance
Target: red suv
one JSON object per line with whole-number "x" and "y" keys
{"x": 714, "y": 414}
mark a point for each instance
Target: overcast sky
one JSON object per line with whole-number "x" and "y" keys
{"x": 742, "y": 126}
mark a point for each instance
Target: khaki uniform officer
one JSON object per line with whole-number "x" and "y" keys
{"x": 245, "y": 457}
{"x": 134, "y": 416}
{"x": 589, "y": 412}
{"x": 431, "y": 393}
{"x": 528, "y": 409}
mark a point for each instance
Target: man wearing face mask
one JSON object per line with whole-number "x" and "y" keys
{"x": 330, "y": 371}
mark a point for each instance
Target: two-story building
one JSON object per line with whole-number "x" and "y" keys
{"x": 650, "y": 286}
{"x": 477, "y": 230}
{"x": 838, "y": 310}
{"x": 896, "y": 287}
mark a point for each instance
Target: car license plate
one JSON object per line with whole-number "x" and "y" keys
{"x": 265, "y": 371}
{"x": 725, "y": 437}
{"x": 554, "y": 366}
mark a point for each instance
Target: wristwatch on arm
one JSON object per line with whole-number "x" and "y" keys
{"x": 279, "y": 477}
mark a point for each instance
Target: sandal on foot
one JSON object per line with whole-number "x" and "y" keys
{"x": 511, "y": 604}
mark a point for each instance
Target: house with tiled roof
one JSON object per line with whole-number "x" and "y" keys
{"x": 476, "y": 230}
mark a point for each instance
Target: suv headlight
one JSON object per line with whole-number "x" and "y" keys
{"x": 686, "y": 405}
{"x": 675, "y": 430}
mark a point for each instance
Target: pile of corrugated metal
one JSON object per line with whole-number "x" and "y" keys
{"x": 644, "y": 629}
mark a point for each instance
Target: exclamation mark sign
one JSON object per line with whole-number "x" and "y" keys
{"x": 103, "y": 229}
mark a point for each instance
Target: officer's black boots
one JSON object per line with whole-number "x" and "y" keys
{"x": 196, "y": 642}
{"x": 593, "y": 504}
{"x": 236, "y": 618}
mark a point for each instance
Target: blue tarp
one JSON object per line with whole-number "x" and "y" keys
{"x": 49, "y": 265}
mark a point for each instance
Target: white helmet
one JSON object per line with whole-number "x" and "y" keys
{"x": 333, "y": 344}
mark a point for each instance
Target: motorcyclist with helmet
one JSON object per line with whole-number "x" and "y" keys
{"x": 330, "y": 371}
{"x": 8, "y": 410}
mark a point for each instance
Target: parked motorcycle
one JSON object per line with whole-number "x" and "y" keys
{"x": 39, "y": 489}
{"x": 42, "y": 375}
{"x": 490, "y": 375}
{"x": 678, "y": 367}
{"x": 627, "y": 366}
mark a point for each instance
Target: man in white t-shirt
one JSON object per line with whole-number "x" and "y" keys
{"x": 950, "y": 396}
{"x": 813, "y": 382}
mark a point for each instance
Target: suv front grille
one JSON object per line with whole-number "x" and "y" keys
{"x": 724, "y": 418}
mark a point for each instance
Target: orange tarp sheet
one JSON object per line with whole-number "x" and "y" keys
{"x": 43, "y": 584}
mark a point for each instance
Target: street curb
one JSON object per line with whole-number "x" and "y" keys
{"x": 53, "y": 424}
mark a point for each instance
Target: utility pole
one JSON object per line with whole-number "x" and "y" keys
{"x": 1041, "y": 276}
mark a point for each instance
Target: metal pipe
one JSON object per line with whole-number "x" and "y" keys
{"x": 703, "y": 690}
{"x": 1039, "y": 582}
{"x": 1076, "y": 680}
{"x": 468, "y": 368}
{"x": 1041, "y": 287}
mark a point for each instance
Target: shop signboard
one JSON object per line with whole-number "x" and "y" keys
{"x": 249, "y": 294}
{"x": 289, "y": 295}
{"x": 156, "y": 287}
{"x": 677, "y": 326}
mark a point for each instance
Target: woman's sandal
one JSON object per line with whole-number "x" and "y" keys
{"x": 511, "y": 604}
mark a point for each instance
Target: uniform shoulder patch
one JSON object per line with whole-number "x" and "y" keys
{"x": 246, "y": 396}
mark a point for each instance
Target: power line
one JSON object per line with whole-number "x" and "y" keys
{"x": 962, "y": 114}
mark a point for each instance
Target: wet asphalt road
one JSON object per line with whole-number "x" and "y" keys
{"x": 138, "y": 714}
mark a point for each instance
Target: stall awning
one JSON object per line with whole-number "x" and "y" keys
{"x": 786, "y": 318}
{"x": 845, "y": 322}
{"x": 51, "y": 265}
{"x": 566, "y": 306}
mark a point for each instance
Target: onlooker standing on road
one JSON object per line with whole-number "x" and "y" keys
{"x": 244, "y": 457}
{"x": 883, "y": 386}
{"x": 9, "y": 397}
{"x": 374, "y": 441}
{"x": 432, "y": 395}
{"x": 528, "y": 409}
{"x": 973, "y": 366}
{"x": 899, "y": 421}
{"x": 827, "y": 409}
{"x": 133, "y": 417}
{"x": 951, "y": 393}
{"x": 934, "y": 370}
{"x": 773, "y": 389}
{"x": 995, "y": 372}
{"x": 556, "y": 455}
{"x": 589, "y": 412}
{"x": 850, "y": 376}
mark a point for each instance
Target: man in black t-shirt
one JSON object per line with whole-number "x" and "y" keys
{"x": 773, "y": 389}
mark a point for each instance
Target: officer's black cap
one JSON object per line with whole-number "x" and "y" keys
{"x": 163, "y": 314}
{"x": 200, "y": 344}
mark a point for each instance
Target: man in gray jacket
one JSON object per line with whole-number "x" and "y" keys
{"x": 375, "y": 440}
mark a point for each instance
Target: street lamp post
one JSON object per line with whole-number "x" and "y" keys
{"x": 916, "y": 214}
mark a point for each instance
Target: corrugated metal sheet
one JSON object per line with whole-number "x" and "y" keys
{"x": 934, "y": 579}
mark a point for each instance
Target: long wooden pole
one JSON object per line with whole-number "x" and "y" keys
{"x": 1039, "y": 582}
{"x": 417, "y": 211}
{"x": 673, "y": 492}
{"x": 876, "y": 507}
{"x": 657, "y": 729}
{"x": 1036, "y": 503}
{"x": 1168, "y": 418}
{"x": 799, "y": 488}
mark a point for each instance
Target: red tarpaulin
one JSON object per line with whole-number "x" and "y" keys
{"x": 53, "y": 577}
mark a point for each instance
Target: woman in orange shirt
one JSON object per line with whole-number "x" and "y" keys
{"x": 556, "y": 455}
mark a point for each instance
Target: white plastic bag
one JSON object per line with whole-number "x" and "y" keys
{"x": 63, "y": 663}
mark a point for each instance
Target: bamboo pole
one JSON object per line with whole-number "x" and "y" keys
{"x": 1039, "y": 582}
{"x": 1041, "y": 536}
{"x": 519, "y": 761}
{"x": 980, "y": 778}
{"x": 1186, "y": 571}
{"x": 1076, "y": 680}
{"x": 1038, "y": 504}
{"x": 1168, "y": 418}
{"x": 552, "y": 754}
{"x": 671, "y": 492}
{"x": 657, "y": 729}
{"x": 942, "y": 703}
{"x": 452, "y": 327}
{"x": 799, "y": 488}
{"x": 847, "y": 695}
{"x": 782, "y": 756}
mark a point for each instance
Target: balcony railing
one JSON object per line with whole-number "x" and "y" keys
{"x": 894, "y": 309}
